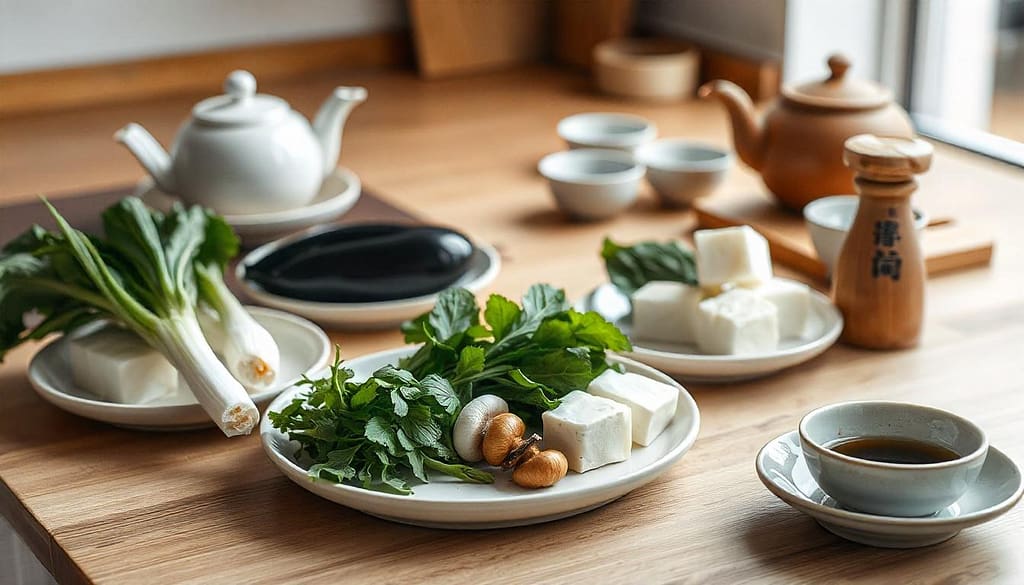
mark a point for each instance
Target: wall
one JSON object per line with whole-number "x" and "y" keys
{"x": 749, "y": 27}
{"x": 43, "y": 34}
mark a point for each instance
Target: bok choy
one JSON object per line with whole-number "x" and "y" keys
{"x": 141, "y": 274}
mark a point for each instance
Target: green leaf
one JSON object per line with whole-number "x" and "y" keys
{"x": 564, "y": 370}
{"x": 365, "y": 395}
{"x": 415, "y": 459}
{"x": 401, "y": 407}
{"x": 631, "y": 267}
{"x": 455, "y": 311}
{"x": 542, "y": 301}
{"x": 592, "y": 329}
{"x": 220, "y": 243}
{"x": 471, "y": 361}
{"x": 442, "y": 392}
{"x": 421, "y": 427}
{"x": 501, "y": 314}
{"x": 380, "y": 432}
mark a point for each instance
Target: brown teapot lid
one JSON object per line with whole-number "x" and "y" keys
{"x": 839, "y": 91}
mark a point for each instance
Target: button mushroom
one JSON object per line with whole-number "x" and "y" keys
{"x": 486, "y": 430}
{"x": 468, "y": 433}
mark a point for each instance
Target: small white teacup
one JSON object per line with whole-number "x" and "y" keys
{"x": 884, "y": 488}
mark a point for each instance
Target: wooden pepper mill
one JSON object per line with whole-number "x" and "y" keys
{"x": 878, "y": 283}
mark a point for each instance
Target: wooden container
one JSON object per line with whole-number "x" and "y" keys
{"x": 878, "y": 283}
{"x": 652, "y": 69}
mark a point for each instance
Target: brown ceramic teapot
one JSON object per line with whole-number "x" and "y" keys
{"x": 798, "y": 146}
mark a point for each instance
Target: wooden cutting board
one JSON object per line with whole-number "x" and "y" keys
{"x": 947, "y": 245}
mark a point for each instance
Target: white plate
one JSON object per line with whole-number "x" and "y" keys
{"x": 447, "y": 503}
{"x": 483, "y": 268}
{"x": 305, "y": 349}
{"x": 339, "y": 192}
{"x": 781, "y": 467}
{"x": 686, "y": 361}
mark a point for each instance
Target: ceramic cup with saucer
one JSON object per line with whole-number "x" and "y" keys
{"x": 782, "y": 469}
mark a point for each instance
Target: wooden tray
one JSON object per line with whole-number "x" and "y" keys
{"x": 947, "y": 246}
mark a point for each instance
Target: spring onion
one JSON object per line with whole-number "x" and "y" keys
{"x": 141, "y": 274}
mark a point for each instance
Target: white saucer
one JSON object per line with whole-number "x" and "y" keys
{"x": 825, "y": 323}
{"x": 305, "y": 349}
{"x": 339, "y": 192}
{"x": 781, "y": 468}
{"x": 446, "y": 503}
{"x": 484, "y": 267}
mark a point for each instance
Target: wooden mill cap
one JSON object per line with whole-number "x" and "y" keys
{"x": 887, "y": 158}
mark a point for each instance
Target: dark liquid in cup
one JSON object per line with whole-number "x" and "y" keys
{"x": 894, "y": 450}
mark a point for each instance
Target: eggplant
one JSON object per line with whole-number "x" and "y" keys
{"x": 365, "y": 263}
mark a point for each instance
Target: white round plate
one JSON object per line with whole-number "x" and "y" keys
{"x": 781, "y": 467}
{"x": 483, "y": 268}
{"x": 305, "y": 349}
{"x": 338, "y": 193}
{"x": 447, "y": 503}
{"x": 824, "y": 325}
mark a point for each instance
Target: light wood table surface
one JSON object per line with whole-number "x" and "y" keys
{"x": 99, "y": 504}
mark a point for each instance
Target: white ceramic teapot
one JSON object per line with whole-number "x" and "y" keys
{"x": 246, "y": 152}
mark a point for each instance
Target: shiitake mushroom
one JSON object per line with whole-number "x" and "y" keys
{"x": 365, "y": 263}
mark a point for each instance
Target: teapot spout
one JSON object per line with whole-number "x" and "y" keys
{"x": 149, "y": 153}
{"x": 747, "y": 132}
{"x": 329, "y": 121}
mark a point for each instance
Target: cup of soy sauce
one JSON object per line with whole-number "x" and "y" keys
{"x": 892, "y": 458}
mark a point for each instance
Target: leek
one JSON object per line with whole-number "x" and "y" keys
{"x": 141, "y": 274}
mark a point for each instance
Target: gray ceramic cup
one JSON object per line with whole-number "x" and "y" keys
{"x": 891, "y": 489}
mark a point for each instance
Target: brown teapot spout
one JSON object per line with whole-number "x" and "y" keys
{"x": 746, "y": 128}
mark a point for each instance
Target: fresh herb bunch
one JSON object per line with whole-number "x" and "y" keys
{"x": 631, "y": 267}
{"x": 530, "y": 355}
{"x": 376, "y": 431}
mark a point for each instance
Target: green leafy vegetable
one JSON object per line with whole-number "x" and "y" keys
{"x": 379, "y": 431}
{"x": 139, "y": 274}
{"x": 531, "y": 354}
{"x": 631, "y": 267}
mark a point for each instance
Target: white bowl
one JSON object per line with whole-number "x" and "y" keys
{"x": 602, "y": 130}
{"x": 829, "y": 218}
{"x": 592, "y": 183}
{"x": 891, "y": 489}
{"x": 681, "y": 170}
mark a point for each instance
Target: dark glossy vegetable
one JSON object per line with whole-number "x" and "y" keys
{"x": 365, "y": 263}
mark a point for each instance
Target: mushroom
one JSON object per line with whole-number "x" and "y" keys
{"x": 472, "y": 423}
{"x": 486, "y": 430}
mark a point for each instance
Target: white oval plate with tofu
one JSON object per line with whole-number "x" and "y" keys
{"x": 824, "y": 324}
{"x": 305, "y": 349}
{"x": 448, "y": 503}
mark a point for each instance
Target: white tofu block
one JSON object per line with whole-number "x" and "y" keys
{"x": 736, "y": 254}
{"x": 651, "y": 404}
{"x": 737, "y": 322}
{"x": 591, "y": 431}
{"x": 116, "y": 365}
{"x": 666, "y": 311}
{"x": 792, "y": 300}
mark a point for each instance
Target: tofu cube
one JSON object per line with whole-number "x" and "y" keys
{"x": 117, "y": 366}
{"x": 737, "y": 322}
{"x": 666, "y": 311}
{"x": 651, "y": 404}
{"x": 732, "y": 255}
{"x": 591, "y": 431}
{"x": 792, "y": 300}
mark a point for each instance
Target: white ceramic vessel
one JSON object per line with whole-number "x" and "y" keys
{"x": 245, "y": 152}
{"x": 483, "y": 268}
{"x": 447, "y": 503}
{"x": 681, "y": 170}
{"x": 691, "y": 365}
{"x": 829, "y": 219}
{"x": 781, "y": 467}
{"x": 891, "y": 489}
{"x": 592, "y": 183}
{"x": 605, "y": 130}
{"x": 339, "y": 192}
{"x": 304, "y": 347}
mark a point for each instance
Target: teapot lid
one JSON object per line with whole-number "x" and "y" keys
{"x": 839, "y": 91}
{"x": 240, "y": 104}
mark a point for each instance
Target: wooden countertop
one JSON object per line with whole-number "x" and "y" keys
{"x": 99, "y": 504}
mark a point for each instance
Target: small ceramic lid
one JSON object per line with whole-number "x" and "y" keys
{"x": 887, "y": 158}
{"x": 240, "y": 104}
{"x": 839, "y": 91}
